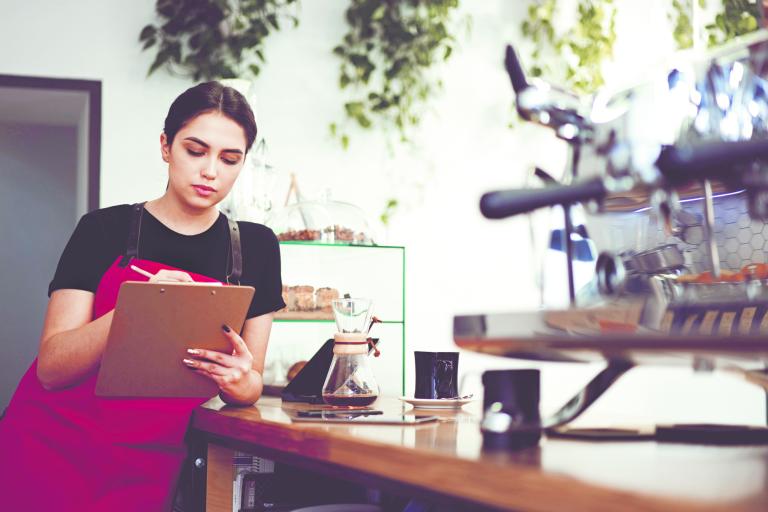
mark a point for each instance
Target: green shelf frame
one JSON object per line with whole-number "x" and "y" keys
{"x": 344, "y": 245}
{"x": 359, "y": 246}
{"x": 318, "y": 321}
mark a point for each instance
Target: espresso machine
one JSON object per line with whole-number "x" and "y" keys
{"x": 670, "y": 181}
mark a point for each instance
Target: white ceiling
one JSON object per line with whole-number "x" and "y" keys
{"x": 41, "y": 106}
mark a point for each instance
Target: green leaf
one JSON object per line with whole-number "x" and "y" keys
{"x": 165, "y": 8}
{"x": 380, "y": 105}
{"x": 174, "y": 51}
{"x": 359, "y": 60}
{"x": 379, "y": 12}
{"x": 255, "y": 69}
{"x": 363, "y": 121}
{"x": 353, "y": 108}
{"x": 147, "y": 32}
{"x": 332, "y": 128}
{"x": 345, "y": 142}
{"x": 161, "y": 58}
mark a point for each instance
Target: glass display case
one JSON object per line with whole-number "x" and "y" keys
{"x": 316, "y": 273}
{"x": 323, "y": 221}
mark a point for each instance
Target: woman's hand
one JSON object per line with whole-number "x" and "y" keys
{"x": 171, "y": 275}
{"x": 234, "y": 374}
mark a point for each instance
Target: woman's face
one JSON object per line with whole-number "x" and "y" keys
{"x": 204, "y": 160}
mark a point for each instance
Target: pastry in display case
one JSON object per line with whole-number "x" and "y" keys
{"x": 323, "y": 298}
{"x": 322, "y": 221}
{"x": 304, "y": 302}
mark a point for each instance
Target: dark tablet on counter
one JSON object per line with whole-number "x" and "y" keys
{"x": 373, "y": 417}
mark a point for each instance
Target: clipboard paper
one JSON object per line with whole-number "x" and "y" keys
{"x": 153, "y": 326}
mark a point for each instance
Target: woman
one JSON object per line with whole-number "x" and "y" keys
{"x": 62, "y": 447}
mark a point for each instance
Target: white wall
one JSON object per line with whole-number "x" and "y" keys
{"x": 457, "y": 261}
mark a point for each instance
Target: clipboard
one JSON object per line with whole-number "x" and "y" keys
{"x": 153, "y": 326}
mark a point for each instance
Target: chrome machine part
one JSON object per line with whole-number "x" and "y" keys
{"x": 611, "y": 274}
{"x": 688, "y": 227}
{"x": 701, "y": 122}
{"x": 588, "y": 395}
{"x": 709, "y": 232}
{"x": 662, "y": 259}
{"x": 713, "y": 104}
{"x": 544, "y": 104}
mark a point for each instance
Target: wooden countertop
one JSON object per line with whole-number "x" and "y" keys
{"x": 446, "y": 458}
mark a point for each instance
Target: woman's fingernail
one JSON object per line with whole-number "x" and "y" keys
{"x": 193, "y": 351}
{"x": 189, "y": 362}
{"x": 226, "y": 328}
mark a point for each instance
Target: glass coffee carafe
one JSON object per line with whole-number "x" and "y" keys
{"x": 350, "y": 381}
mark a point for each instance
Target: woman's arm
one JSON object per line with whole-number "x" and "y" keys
{"x": 239, "y": 376}
{"x": 71, "y": 344}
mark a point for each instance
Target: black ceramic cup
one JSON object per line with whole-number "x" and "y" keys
{"x": 511, "y": 416}
{"x": 437, "y": 374}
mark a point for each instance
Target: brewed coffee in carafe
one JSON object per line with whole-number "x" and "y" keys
{"x": 350, "y": 381}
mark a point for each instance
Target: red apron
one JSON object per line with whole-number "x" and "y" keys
{"x": 70, "y": 450}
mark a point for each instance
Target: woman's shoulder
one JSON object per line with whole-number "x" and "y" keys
{"x": 110, "y": 215}
{"x": 106, "y": 222}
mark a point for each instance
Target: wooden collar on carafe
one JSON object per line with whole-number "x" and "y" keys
{"x": 353, "y": 343}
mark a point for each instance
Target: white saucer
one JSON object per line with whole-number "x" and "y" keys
{"x": 436, "y": 403}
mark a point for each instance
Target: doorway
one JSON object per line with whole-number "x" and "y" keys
{"x": 50, "y": 149}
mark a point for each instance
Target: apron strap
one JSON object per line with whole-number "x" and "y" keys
{"x": 132, "y": 250}
{"x": 237, "y": 255}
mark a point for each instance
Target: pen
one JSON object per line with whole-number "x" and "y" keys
{"x": 142, "y": 272}
{"x": 150, "y": 276}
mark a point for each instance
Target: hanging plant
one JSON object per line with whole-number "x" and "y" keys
{"x": 682, "y": 26}
{"x": 211, "y": 39}
{"x": 582, "y": 48}
{"x": 386, "y": 58}
{"x": 738, "y": 17}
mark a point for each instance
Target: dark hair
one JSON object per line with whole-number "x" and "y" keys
{"x": 210, "y": 97}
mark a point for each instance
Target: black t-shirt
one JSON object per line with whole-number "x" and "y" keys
{"x": 102, "y": 235}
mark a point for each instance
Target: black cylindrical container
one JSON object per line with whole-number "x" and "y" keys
{"x": 511, "y": 416}
{"x": 436, "y": 374}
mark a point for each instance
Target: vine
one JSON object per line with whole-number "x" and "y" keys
{"x": 738, "y": 17}
{"x": 583, "y": 48}
{"x": 386, "y": 58}
{"x": 682, "y": 24}
{"x": 210, "y": 39}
